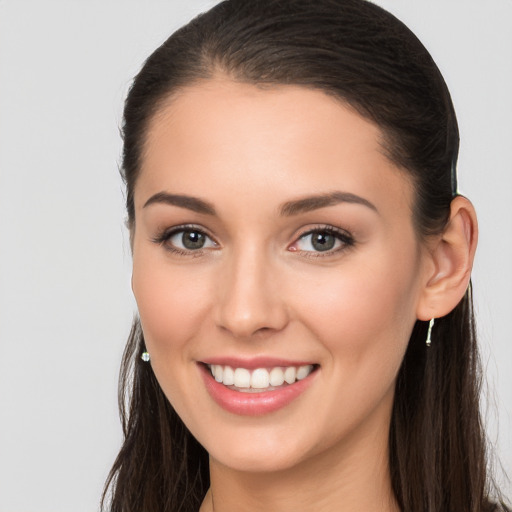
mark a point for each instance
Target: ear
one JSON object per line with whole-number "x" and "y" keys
{"x": 450, "y": 262}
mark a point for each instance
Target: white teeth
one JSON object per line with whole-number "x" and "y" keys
{"x": 290, "y": 374}
{"x": 260, "y": 378}
{"x": 218, "y": 372}
{"x": 242, "y": 378}
{"x": 276, "y": 377}
{"x": 229, "y": 376}
{"x": 304, "y": 371}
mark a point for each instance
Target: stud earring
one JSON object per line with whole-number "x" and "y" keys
{"x": 429, "y": 333}
{"x": 145, "y": 356}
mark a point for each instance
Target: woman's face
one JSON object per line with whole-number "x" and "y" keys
{"x": 274, "y": 240}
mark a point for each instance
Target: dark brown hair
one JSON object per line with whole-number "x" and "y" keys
{"x": 364, "y": 56}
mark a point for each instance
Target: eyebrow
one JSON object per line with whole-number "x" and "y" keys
{"x": 315, "y": 202}
{"x": 189, "y": 202}
{"x": 288, "y": 209}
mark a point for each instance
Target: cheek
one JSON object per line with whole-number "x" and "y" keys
{"x": 364, "y": 308}
{"x": 170, "y": 302}
{"x": 172, "y": 307}
{"x": 362, "y": 315}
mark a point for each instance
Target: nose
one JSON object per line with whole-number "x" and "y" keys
{"x": 249, "y": 298}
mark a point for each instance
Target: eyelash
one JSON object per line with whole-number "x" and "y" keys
{"x": 346, "y": 239}
{"x": 164, "y": 236}
{"x": 342, "y": 236}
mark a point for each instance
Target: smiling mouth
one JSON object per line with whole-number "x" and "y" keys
{"x": 260, "y": 379}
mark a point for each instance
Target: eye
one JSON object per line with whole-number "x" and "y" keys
{"x": 190, "y": 240}
{"x": 185, "y": 240}
{"x": 323, "y": 240}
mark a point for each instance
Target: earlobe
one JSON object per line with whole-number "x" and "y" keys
{"x": 452, "y": 257}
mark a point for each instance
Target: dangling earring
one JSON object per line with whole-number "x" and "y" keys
{"x": 145, "y": 356}
{"x": 429, "y": 333}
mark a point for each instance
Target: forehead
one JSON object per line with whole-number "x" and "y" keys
{"x": 225, "y": 137}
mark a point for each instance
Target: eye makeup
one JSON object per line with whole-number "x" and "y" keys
{"x": 317, "y": 242}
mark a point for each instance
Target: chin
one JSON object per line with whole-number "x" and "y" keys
{"x": 256, "y": 455}
{"x": 256, "y": 462}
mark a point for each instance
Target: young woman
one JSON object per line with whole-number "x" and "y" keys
{"x": 301, "y": 265}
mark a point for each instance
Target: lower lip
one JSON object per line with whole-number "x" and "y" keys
{"x": 253, "y": 404}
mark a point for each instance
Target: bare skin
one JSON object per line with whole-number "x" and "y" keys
{"x": 258, "y": 285}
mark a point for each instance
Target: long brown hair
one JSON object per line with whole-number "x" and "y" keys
{"x": 360, "y": 53}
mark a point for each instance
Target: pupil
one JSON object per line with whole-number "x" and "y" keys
{"x": 193, "y": 240}
{"x": 323, "y": 241}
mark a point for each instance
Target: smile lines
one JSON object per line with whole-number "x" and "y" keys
{"x": 260, "y": 378}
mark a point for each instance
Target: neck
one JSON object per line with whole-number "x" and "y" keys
{"x": 352, "y": 476}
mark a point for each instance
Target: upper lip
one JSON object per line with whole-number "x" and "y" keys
{"x": 254, "y": 362}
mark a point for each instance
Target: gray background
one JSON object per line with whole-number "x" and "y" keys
{"x": 65, "y": 298}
